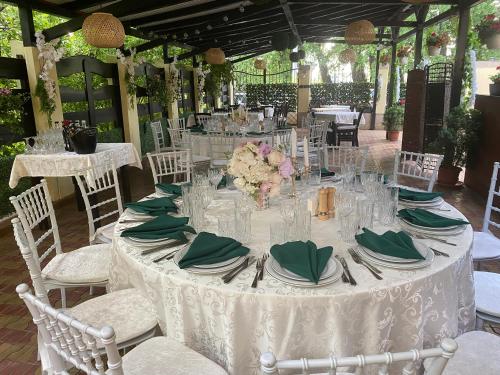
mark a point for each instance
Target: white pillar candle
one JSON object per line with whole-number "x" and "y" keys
{"x": 294, "y": 143}
{"x": 306, "y": 152}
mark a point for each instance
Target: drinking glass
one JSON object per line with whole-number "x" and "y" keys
{"x": 303, "y": 227}
{"x": 314, "y": 176}
{"x": 389, "y": 205}
{"x": 243, "y": 229}
{"x": 349, "y": 224}
{"x": 277, "y": 233}
{"x": 348, "y": 172}
{"x": 365, "y": 213}
{"x": 345, "y": 202}
{"x": 288, "y": 210}
{"x": 227, "y": 226}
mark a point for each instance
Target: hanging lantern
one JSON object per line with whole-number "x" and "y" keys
{"x": 302, "y": 54}
{"x": 347, "y": 56}
{"x": 259, "y": 64}
{"x": 294, "y": 57}
{"x": 103, "y": 30}
{"x": 279, "y": 41}
{"x": 360, "y": 32}
{"x": 215, "y": 56}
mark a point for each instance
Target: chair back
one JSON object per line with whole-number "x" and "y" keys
{"x": 68, "y": 340}
{"x": 100, "y": 179}
{"x": 173, "y": 163}
{"x": 334, "y": 157}
{"x": 33, "y": 207}
{"x": 422, "y": 167}
{"x": 317, "y": 135}
{"x": 439, "y": 357}
{"x": 282, "y": 137}
{"x": 493, "y": 192}
{"x": 309, "y": 120}
{"x": 202, "y": 118}
{"x": 158, "y": 137}
{"x": 280, "y": 122}
{"x": 220, "y": 146}
{"x": 181, "y": 139}
{"x": 177, "y": 123}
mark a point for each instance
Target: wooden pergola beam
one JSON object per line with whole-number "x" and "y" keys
{"x": 44, "y": 7}
{"x": 289, "y": 17}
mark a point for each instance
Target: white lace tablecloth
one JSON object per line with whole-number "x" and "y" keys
{"x": 233, "y": 323}
{"x": 201, "y": 142}
{"x": 339, "y": 116}
{"x": 69, "y": 163}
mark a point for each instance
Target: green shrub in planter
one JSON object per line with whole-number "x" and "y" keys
{"x": 393, "y": 118}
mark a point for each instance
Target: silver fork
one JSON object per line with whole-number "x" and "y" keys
{"x": 258, "y": 267}
{"x": 368, "y": 266}
{"x": 425, "y": 237}
{"x": 264, "y": 258}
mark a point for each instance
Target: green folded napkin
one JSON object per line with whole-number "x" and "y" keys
{"x": 425, "y": 218}
{"x": 153, "y": 207}
{"x": 163, "y": 226}
{"x": 170, "y": 189}
{"x": 196, "y": 130}
{"x": 223, "y": 182}
{"x": 302, "y": 258}
{"x": 417, "y": 196}
{"x": 207, "y": 248}
{"x": 326, "y": 173}
{"x": 390, "y": 243}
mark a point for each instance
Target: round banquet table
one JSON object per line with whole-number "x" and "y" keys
{"x": 233, "y": 323}
{"x": 201, "y": 142}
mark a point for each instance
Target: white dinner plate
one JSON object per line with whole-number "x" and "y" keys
{"x": 329, "y": 270}
{"x": 309, "y": 284}
{"x": 146, "y": 242}
{"x": 217, "y": 265}
{"x": 429, "y": 257}
{"x": 421, "y": 227}
{"x": 433, "y": 200}
{"x": 450, "y": 232}
{"x": 235, "y": 262}
{"x": 421, "y": 248}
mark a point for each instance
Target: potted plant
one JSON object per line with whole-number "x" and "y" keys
{"x": 403, "y": 53}
{"x": 489, "y": 31}
{"x": 435, "y": 42}
{"x": 385, "y": 59}
{"x": 495, "y": 86}
{"x": 393, "y": 121}
{"x": 458, "y": 142}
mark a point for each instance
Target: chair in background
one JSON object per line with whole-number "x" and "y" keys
{"x": 348, "y": 132}
{"x": 334, "y": 157}
{"x": 486, "y": 246}
{"x": 439, "y": 357}
{"x": 101, "y": 179}
{"x": 177, "y": 123}
{"x": 86, "y": 266}
{"x": 487, "y": 291}
{"x": 158, "y": 137}
{"x": 422, "y": 167}
{"x": 78, "y": 342}
{"x": 282, "y": 137}
{"x": 181, "y": 140}
{"x": 317, "y": 136}
{"x": 308, "y": 120}
{"x": 281, "y": 123}
{"x": 202, "y": 118}
{"x": 173, "y": 163}
{"x": 220, "y": 149}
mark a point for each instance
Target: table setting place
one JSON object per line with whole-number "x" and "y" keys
{"x": 203, "y": 231}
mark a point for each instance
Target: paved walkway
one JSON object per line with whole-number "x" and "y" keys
{"x": 17, "y": 331}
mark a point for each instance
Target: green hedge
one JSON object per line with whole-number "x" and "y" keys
{"x": 340, "y": 93}
{"x": 5, "y": 191}
{"x": 276, "y": 94}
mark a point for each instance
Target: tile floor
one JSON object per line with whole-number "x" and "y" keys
{"x": 17, "y": 332}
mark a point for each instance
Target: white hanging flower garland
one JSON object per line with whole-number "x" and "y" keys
{"x": 130, "y": 65}
{"x": 173, "y": 87}
{"x": 201, "y": 74}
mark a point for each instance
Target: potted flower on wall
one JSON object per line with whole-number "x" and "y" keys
{"x": 435, "y": 42}
{"x": 489, "y": 31}
{"x": 393, "y": 121}
{"x": 385, "y": 59}
{"x": 403, "y": 53}
{"x": 458, "y": 142}
{"x": 495, "y": 86}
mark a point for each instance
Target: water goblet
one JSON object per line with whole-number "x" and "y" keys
{"x": 277, "y": 233}
{"x": 349, "y": 225}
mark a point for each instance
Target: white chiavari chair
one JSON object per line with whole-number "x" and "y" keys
{"x": 317, "y": 139}
{"x": 101, "y": 179}
{"x": 86, "y": 266}
{"x": 70, "y": 341}
{"x": 308, "y": 120}
{"x": 281, "y": 122}
{"x": 282, "y": 137}
{"x": 334, "y": 157}
{"x": 174, "y": 163}
{"x": 182, "y": 140}
{"x": 221, "y": 147}
{"x": 203, "y": 119}
{"x": 422, "y": 167}
{"x": 177, "y": 123}
{"x": 486, "y": 246}
{"x": 439, "y": 356}
{"x": 158, "y": 136}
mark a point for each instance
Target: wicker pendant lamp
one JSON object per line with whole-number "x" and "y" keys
{"x": 215, "y": 56}
{"x": 103, "y": 30}
{"x": 347, "y": 56}
{"x": 360, "y": 32}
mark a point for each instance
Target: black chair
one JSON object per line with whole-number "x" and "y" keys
{"x": 348, "y": 132}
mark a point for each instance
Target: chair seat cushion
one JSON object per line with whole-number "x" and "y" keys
{"x": 88, "y": 264}
{"x": 161, "y": 355}
{"x": 485, "y": 246}
{"x": 478, "y": 354}
{"x": 487, "y": 289}
{"x": 127, "y": 311}
{"x": 105, "y": 234}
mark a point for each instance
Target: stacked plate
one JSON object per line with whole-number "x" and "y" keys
{"x": 146, "y": 246}
{"x": 398, "y": 263}
{"x": 331, "y": 273}
{"x": 435, "y": 202}
{"x": 208, "y": 269}
{"x": 444, "y": 231}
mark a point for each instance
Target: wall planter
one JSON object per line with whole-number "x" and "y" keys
{"x": 433, "y": 50}
{"x": 495, "y": 89}
{"x": 403, "y": 60}
{"x": 392, "y": 135}
{"x": 492, "y": 41}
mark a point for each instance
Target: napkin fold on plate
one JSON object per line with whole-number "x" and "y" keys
{"x": 424, "y": 218}
{"x": 417, "y": 196}
{"x": 326, "y": 173}
{"x": 163, "y": 226}
{"x": 208, "y": 248}
{"x": 398, "y": 245}
{"x": 153, "y": 207}
{"x": 170, "y": 189}
{"x": 302, "y": 258}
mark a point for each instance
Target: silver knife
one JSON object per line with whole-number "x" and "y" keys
{"x": 230, "y": 277}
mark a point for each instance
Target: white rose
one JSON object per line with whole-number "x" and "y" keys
{"x": 275, "y": 158}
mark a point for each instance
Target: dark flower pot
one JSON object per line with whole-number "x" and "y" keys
{"x": 392, "y": 135}
{"x": 495, "y": 89}
{"x": 85, "y": 141}
{"x": 448, "y": 176}
{"x": 492, "y": 41}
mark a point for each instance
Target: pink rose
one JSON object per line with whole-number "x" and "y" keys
{"x": 265, "y": 149}
{"x": 286, "y": 168}
{"x": 265, "y": 187}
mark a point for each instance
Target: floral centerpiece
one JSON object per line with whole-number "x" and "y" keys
{"x": 489, "y": 31}
{"x": 259, "y": 170}
{"x": 495, "y": 86}
{"x": 435, "y": 42}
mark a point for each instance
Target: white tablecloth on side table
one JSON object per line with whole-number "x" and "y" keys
{"x": 66, "y": 164}
{"x": 201, "y": 142}
{"x": 340, "y": 117}
{"x": 233, "y": 323}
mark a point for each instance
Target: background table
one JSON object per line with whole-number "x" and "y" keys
{"x": 233, "y": 323}
{"x": 201, "y": 142}
{"x": 339, "y": 117}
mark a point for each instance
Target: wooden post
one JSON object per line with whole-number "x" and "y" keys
{"x": 303, "y": 92}
{"x": 421, "y": 15}
{"x": 458, "y": 68}
{"x": 129, "y": 110}
{"x": 376, "y": 90}
{"x": 392, "y": 73}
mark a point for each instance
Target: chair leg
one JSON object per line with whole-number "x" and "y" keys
{"x": 91, "y": 291}
{"x": 63, "y": 298}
